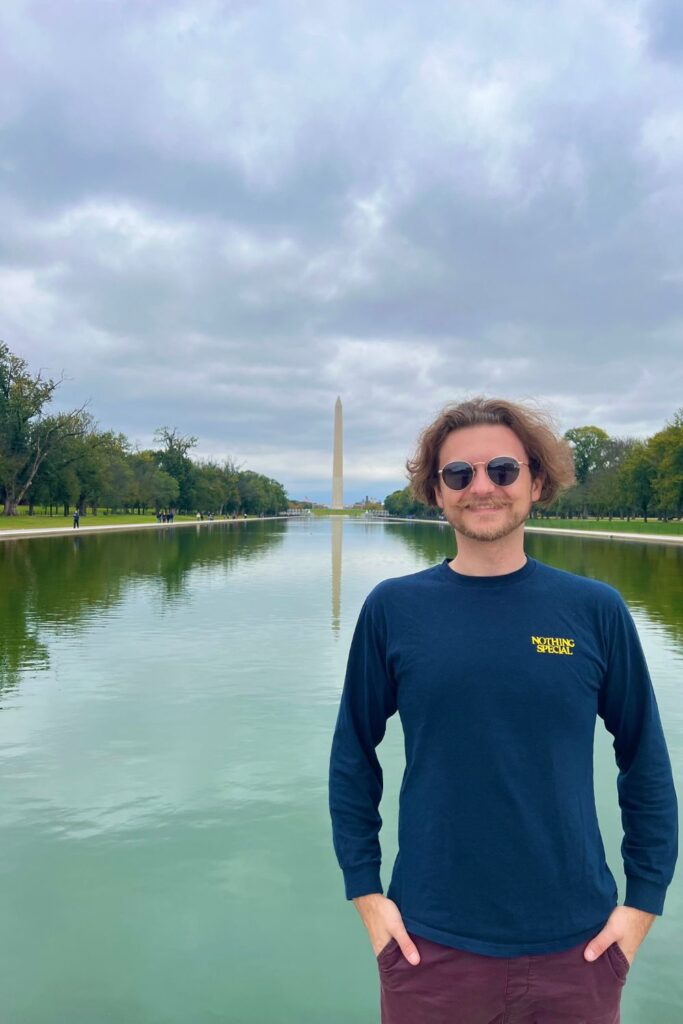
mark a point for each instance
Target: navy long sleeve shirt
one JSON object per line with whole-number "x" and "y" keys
{"x": 498, "y": 682}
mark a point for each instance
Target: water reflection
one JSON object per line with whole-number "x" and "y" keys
{"x": 62, "y": 583}
{"x": 337, "y": 531}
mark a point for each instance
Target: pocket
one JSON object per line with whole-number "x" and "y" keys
{"x": 618, "y": 961}
{"x": 391, "y": 945}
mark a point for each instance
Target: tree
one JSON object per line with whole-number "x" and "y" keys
{"x": 27, "y": 434}
{"x": 259, "y": 493}
{"x": 117, "y": 482}
{"x": 174, "y": 460}
{"x": 403, "y": 503}
{"x": 231, "y": 473}
{"x": 149, "y": 485}
{"x": 212, "y": 488}
{"x": 636, "y": 476}
{"x": 93, "y": 458}
{"x": 590, "y": 446}
{"x": 77, "y": 471}
{"x": 666, "y": 452}
{"x": 603, "y": 491}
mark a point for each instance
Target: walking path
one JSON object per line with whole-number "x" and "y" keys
{"x": 649, "y": 538}
{"x": 55, "y": 531}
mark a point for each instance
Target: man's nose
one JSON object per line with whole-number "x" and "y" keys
{"x": 482, "y": 483}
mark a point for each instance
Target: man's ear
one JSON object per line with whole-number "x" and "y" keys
{"x": 537, "y": 486}
{"x": 437, "y": 494}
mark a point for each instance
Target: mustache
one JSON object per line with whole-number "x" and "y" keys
{"x": 486, "y": 504}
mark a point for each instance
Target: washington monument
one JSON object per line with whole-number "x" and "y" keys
{"x": 338, "y": 459}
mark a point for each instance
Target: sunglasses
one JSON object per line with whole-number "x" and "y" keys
{"x": 502, "y": 471}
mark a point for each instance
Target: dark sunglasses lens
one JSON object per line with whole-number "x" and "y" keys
{"x": 503, "y": 472}
{"x": 457, "y": 475}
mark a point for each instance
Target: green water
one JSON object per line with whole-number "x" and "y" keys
{"x": 167, "y": 702}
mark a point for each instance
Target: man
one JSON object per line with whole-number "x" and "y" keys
{"x": 501, "y": 907}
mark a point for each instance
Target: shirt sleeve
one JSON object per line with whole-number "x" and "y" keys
{"x": 645, "y": 787}
{"x": 355, "y": 777}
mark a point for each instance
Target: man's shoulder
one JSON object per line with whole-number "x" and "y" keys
{"x": 398, "y": 587}
{"x": 579, "y": 587}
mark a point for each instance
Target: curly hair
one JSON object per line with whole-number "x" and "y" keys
{"x": 550, "y": 456}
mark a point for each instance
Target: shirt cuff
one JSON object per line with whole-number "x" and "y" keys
{"x": 644, "y": 895}
{"x": 362, "y": 881}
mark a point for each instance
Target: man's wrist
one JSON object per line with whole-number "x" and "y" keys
{"x": 367, "y": 899}
{"x": 367, "y": 905}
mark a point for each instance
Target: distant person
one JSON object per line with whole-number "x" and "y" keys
{"x": 501, "y": 905}
{"x": 198, "y": 517}
{"x": 77, "y": 519}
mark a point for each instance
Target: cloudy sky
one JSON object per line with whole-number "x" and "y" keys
{"x": 220, "y": 214}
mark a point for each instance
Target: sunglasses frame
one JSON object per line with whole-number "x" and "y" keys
{"x": 473, "y": 467}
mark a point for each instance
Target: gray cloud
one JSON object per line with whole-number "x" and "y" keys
{"x": 222, "y": 215}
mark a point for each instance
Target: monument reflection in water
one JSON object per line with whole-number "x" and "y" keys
{"x": 337, "y": 535}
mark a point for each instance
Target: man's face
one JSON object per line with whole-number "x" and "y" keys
{"x": 485, "y": 511}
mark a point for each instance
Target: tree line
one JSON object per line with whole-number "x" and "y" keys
{"x": 616, "y": 477}
{"x": 59, "y": 460}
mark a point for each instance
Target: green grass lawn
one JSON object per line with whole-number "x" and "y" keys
{"x": 338, "y": 511}
{"x": 612, "y": 526}
{"x": 26, "y": 522}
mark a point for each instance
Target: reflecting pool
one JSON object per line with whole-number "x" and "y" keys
{"x": 167, "y": 701}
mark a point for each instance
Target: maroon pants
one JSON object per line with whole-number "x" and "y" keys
{"x": 451, "y": 986}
